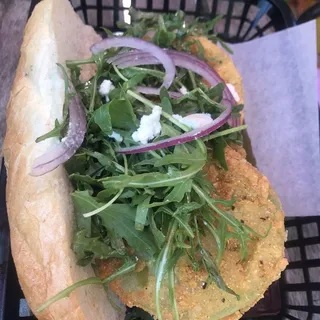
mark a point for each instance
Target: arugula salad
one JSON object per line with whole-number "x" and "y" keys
{"x": 135, "y": 140}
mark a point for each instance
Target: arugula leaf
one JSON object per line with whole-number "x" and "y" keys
{"x": 219, "y": 145}
{"x": 216, "y": 92}
{"x": 77, "y": 164}
{"x": 119, "y": 218}
{"x": 107, "y": 31}
{"x": 164, "y": 39}
{"x": 102, "y": 118}
{"x": 158, "y": 235}
{"x": 165, "y": 101}
{"x": 134, "y": 81}
{"x": 161, "y": 267}
{"x": 106, "y": 194}
{"x": 196, "y": 157}
{"x": 85, "y": 178}
{"x": 84, "y": 224}
{"x": 153, "y": 180}
{"x": 122, "y": 115}
{"x": 178, "y": 192}
{"x": 89, "y": 249}
{"x": 105, "y": 160}
{"x": 188, "y": 207}
{"x": 55, "y": 132}
{"x": 142, "y": 214}
{"x": 213, "y": 272}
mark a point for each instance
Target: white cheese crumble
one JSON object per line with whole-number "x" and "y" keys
{"x": 233, "y": 92}
{"x": 150, "y": 126}
{"x": 183, "y": 90}
{"x": 194, "y": 121}
{"x": 105, "y": 87}
{"x": 116, "y": 136}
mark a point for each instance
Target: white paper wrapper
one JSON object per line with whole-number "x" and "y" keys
{"x": 280, "y": 82}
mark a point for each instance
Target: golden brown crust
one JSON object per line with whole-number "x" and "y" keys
{"x": 40, "y": 209}
{"x": 257, "y": 205}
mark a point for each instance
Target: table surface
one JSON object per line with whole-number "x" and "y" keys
{"x": 13, "y": 16}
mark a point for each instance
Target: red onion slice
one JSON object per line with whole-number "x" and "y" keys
{"x": 183, "y": 138}
{"x": 180, "y": 59}
{"x": 148, "y": 47}
{"x": 68, "y": 146}
{"x": 156, "y": 92}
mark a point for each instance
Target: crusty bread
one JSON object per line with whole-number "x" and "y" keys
{"x": 40, "y": 209}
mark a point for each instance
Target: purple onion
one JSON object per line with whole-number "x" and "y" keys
{"x": 148, "y": 47}
{"x": 68, "y": 146}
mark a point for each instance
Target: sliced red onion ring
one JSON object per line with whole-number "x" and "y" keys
{"x": 148, "y": 47}
{"x": 183, "y": 138}
{"x": 180, "y": 59}
{"x": 156, "y": 92}
{"x": 68, "y": 146}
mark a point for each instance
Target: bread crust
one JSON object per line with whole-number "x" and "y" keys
{"x": 40, "y": 209}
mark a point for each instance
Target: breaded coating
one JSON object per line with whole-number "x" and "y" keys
{"x": 257, "y": 206}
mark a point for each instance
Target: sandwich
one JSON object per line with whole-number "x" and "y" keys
{"x": 127, "y": 178}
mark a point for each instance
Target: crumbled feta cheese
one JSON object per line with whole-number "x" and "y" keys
{"x": 183, "y": 90}
{"x": 116, "y": 136}
{"x": 150, "y": 126}
{"x": 105, "y": 88}
{"x": 195, "y": 120}
{"x": 233, "y": 92}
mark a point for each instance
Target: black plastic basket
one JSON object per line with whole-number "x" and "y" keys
{"x": 297, "y": 294}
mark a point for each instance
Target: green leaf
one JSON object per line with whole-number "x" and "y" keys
{"x": 158, "y": 235}
{"x": 178, "y": 192}
{"x": 87, "y": 179}
{"x": 216, "y": 92}
{"x": 94, "y": 247}
{"x": 108, "y": 32}
{"x": 55, "y": 132}
{"x": 187, "y": 207}
{"x": 164, "y": 39}
{"x": 237, "y": 108}
{"x": 119, "y": 218}
{"x": 102, "y": 118}
{"x": 213, "y": 272}
{"x": 182, "y": 158}
{"x": 106, "y": 194}
{"x": 122, "y": 115}
{"x": 165, "y": 100}
{"x": 152, "y": 180}
{"x": 168, "y": 130}
{"x": 134, "y": 81}
{"x": 66, "y": 91}
{"x": 83, "y": 224}
{"x": 184, "y": 223}
{"x": 103, "y": 159}
{"x": 142, "y": 214}
{"x": 161, "y": 267}
{"x": 219, "y": 145}
{"x": 166, "y": 105}
{"x": 77, "y": 164}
